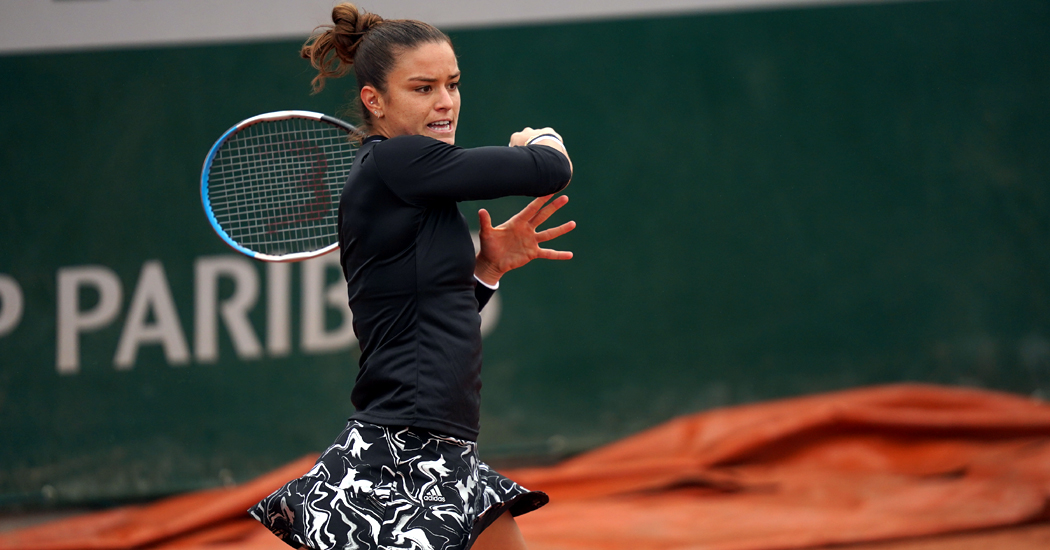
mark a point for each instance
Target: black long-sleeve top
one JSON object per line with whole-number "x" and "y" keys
{"x": 409, "y": 264}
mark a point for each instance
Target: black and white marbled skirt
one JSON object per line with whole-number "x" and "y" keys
{"x": 393, "y": 488}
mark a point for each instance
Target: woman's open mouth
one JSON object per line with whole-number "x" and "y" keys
{"x": 441, "y": 126}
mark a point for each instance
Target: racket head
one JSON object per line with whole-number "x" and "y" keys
{"x": 271, "y": 184}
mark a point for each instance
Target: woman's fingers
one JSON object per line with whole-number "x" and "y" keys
{"x": 530, "y": 211}
{"x": 536, "y": 213}
{"x": 554, "y": 254}
{"x": 485, "y": 219}
{"x": 555, "y": 232}
{"x": 548, "y": 210}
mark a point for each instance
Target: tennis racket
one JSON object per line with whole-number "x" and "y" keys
{"x": 271, "y": 184}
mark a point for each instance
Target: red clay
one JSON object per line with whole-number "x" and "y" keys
{"x": 905, "y": 464}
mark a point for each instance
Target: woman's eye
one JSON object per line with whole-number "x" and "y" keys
{"x": 423, "y": 89}
{"x": 453, "y": 86}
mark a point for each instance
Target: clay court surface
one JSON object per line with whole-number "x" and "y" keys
{"x": 1023, "y": 537}
{"x": 902, "y": 467}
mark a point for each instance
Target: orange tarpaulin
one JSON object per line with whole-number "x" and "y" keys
{"x": 859, "y": 465}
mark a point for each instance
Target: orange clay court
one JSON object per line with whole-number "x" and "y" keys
{"x": 900, "y": 467}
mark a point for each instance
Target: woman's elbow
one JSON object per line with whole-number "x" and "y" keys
{"x": 564, "y": 173}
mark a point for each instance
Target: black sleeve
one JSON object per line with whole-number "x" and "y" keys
{"x": 482, "y": 293}
{"x": 420, "y": 169}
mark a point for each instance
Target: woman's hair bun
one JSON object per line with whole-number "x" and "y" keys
{"x": 350, "y": 26}
{"x": 331, "y": 48}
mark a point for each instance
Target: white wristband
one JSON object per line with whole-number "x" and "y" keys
{"x": 483, "y": 283}
{"x": 542, "y": 137}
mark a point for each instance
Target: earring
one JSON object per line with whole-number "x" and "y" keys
{"x": 376, "y": 112}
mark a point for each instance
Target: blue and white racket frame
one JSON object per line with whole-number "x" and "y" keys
{"x": 338, "y": 142}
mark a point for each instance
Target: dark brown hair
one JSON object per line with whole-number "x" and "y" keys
{"x": 367, "y": 43}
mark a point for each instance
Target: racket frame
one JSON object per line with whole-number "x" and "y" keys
{"x": 213, "y": 152}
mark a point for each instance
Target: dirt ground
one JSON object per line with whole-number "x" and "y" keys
{"x": 1024, "y": 537}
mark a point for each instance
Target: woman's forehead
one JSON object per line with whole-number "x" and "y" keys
{"x": 432, "y": 60}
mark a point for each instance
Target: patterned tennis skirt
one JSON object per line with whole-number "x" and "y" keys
{"x": 393, "y": 488}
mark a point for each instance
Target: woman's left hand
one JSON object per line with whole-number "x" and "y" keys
{"x": 516, "y": 242}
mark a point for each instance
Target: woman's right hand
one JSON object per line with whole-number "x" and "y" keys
{"x": 522, "y": 138}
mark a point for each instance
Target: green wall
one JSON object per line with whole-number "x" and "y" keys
{"x": 770, "y": 203}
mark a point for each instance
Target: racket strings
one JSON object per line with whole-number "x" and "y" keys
{"x": 274, "y": 186}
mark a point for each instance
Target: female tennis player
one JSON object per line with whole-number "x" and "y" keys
{"x": 405, "y": 471}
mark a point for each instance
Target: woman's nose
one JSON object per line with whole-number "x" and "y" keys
{"x": 444, "y": 101}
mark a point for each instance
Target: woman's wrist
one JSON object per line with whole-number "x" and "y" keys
{"x": 487, "y": 273}
{"x": 487, "y": 285}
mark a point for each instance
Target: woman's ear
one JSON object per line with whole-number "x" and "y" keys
{"x": 371, "y": 100}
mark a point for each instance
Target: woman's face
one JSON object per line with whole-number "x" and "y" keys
{"x": 422, "y": 95}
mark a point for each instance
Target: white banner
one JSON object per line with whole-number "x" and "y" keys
{"x": 47, "y": 25}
